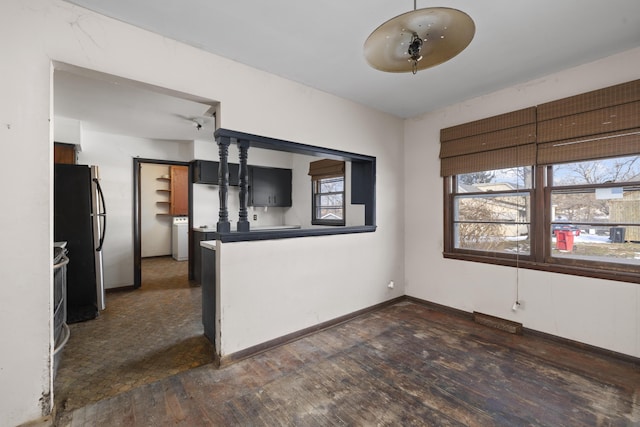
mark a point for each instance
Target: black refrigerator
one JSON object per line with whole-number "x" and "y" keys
{"x": 80, "y": 221}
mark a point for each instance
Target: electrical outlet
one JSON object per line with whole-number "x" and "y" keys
{"x": 518, "y": 305}
{"x": 255, "y": 217}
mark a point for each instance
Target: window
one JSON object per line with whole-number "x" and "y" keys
{"x": 595, "y": 206}
{"x": 554, "y": 187}
{"x": 328, "y": 196}
{"x": 492, "y": 211}
{"x": 328, "y": 201}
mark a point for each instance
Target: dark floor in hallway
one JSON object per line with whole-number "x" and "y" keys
{"x": 406, "y": 364}
{"x": 144, "y": 335}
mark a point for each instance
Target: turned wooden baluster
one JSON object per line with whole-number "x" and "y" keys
{"x": 223, "y": 225}
{"x": 243, "y": 217}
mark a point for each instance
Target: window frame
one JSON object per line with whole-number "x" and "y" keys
{"x": 540, "y": 256}
{"x": 488, "y": 194}
{"x": 315, "y": 185}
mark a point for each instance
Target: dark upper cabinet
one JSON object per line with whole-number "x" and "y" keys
{"x": 206, "y": 172}
{"x": 269, "y": 186}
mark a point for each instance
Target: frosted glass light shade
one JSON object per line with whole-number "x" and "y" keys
{"x": 445, "y": 33}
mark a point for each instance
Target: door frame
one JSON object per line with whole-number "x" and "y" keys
{"x": 137, "y": 212}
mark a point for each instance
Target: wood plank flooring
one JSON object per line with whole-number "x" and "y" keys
{"x": 404, "y": 365}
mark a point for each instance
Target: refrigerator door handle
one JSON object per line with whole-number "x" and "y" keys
{"x": 102, "y": 214}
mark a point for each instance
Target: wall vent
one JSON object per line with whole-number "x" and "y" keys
{"x": 498, "y": 323}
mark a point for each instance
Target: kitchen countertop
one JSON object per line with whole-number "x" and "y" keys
{"x": 258, "y": 228}
{"x": 271, "y": 233}
{"x": 209, "y": 244}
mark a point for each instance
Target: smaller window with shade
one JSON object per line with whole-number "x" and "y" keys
{"x": 328, "y": 192}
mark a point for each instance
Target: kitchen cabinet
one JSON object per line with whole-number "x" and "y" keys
{"x": 177, "y": 191}
{"x": 209, "y": 292}
{"x": 206, "y": 172}
{"x": 195, "y": 260}
{"x": 64, "y": 153}
{"x": 269, "y": 186}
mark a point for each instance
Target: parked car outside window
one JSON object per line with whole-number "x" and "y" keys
{"x": 575, "y": 230}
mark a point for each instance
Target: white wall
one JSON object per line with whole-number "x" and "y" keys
{"x": 33, "y": 33}
{"x": 68, "y": 131}
{"x": 293, "y": 284}
{"x": 155, "y": 230}
{"x": 114, "y": 155}
{"x": 597, "y": 312}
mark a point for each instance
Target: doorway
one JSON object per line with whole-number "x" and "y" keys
{"x": 155, "y": 331}
{"x": 161, "y": 194}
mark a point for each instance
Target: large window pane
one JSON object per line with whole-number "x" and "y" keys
{"x": 596, "y": 205}
{"x": 513, "y": 239}
{"x": 330, "y": 185}
{"x": 495, "y": 180}
{"x": 599, "y": 243}
{"x": 330, "y": 214}
{"x": 597, "y": 224}
{"x": 620, "y": 169}
{"x": 492, "y": 223}
{"x": 510, "y": 208}
{"x": 330, "y": 200}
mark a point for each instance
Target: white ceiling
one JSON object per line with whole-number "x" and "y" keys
{"x": 320, "y": 43}
{"x": 105, "y": 103}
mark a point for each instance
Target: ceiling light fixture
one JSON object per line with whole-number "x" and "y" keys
{"x": 419, "y": 39}
{"x": 197, "y": 123}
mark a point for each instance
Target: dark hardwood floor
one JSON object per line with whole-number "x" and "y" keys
{"x": 403, "y": 365}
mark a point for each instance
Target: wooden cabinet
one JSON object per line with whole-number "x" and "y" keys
{"x": 177, "y": 191}
{"x": 269, "y": 186}
{"x": 64, "y": 153}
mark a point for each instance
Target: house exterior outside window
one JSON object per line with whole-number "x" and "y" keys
{"x": 589, "y": 216}
{"x": 554, "y": 187}
{"x": 492, "y": 211}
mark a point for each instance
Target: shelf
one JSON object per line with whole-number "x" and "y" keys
{"x": 175, "y": 189}
{"x": 166, "y": 191}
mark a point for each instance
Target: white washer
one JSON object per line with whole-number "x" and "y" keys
{"x": 180, "y": 238}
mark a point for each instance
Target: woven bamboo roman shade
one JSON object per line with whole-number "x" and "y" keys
{"x": 326, "y": 168}
{"x": 597, "y": 124}
{"x": 503, "y": 141}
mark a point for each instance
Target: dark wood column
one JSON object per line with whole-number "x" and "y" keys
{"x": 223, "y": 181}
{"x": 243, "y": 218}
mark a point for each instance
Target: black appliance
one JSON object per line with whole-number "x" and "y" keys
{"x": 80, "y": 220}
